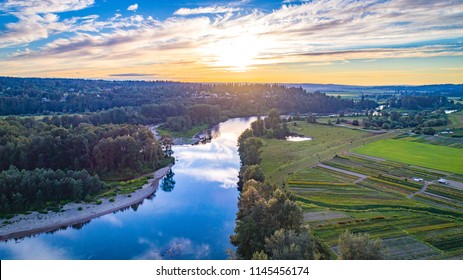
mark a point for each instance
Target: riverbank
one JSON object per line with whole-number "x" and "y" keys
{"x": 197, "y": 134}
{"x": 75, "y": 213}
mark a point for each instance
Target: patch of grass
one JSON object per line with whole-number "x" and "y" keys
{"x": 281, "y": 158}
{"x": 127, "y": 187}
{"x": 184, "y": 134}
{"x": 426, "y": 155}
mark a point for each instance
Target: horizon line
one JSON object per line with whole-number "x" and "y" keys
{"x": 249, "y": 83}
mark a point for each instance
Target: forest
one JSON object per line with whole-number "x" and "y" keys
{"x": 21, "y": 96}
{"x": 43, "y": 162}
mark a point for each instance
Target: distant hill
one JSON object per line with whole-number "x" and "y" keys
{"x": 443, "y": 89}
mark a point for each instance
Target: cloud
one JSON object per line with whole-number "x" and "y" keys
{"x": 35, "y": 249}
{"x": 133, "y": 7}
{"x": 205, "y": 10}
{"x": 37, "y": 19}
{"x": 132, "y": 75}
{"x": 175, "y": 248}
{"x": 310, "y": 33}
{"x": 45, "y": 6}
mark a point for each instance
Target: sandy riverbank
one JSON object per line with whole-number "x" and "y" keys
{"x": 25, "y": 225}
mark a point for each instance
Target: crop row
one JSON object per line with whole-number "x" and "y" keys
{"x": 446, "y": 191}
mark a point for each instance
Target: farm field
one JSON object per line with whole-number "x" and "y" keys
{"x": 281, "y": 158}
{"x": 435, "y": 140}
{"x": 386, "y": 203}
{"x": 374, "y": 192}
{"x": 431, "y": 156}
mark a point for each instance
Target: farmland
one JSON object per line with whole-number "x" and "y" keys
{"x": 399, "y": 202}
{"x": 386, "y": 203}
{"x": 422, "y": 154}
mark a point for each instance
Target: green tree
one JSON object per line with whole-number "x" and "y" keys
{"x": 359, "y": 247}
{"x": 259, "y": 256}
{"x": 290, "y": 245}
{"x": 253, "y": 172}
{"x": 250, "y": 151}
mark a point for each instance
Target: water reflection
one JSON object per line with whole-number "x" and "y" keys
{"x": 168, "y": 182}
{"x": 217, "y": 161}
{"x": 35, "y": 249}
{"x": 192, "y": 218}
{"x": 298, "y": 138}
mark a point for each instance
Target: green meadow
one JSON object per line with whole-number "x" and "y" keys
{"x": 281, "y": 158}
{"x": 432, "y": 156}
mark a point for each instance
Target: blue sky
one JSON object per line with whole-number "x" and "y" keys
{"x": 326, "y": 41}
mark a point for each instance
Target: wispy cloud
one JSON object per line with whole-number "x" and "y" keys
{"x": 132, "y": 75}
{"x": 37, "y": 19}
{"x": 133, "y": 7}
{"x": 205, "y": 10}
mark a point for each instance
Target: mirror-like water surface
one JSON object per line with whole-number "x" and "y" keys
{"x": 191, "y": 216}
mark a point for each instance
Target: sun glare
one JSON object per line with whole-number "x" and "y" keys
{"x": 237, "y": 54}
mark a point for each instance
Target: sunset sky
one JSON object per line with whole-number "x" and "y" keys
{"x": 360, "y": 42}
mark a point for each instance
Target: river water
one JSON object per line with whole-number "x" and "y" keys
{"x": 191, "y": 219}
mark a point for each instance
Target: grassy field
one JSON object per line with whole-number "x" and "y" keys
{"x": 434, "y": 140}
{"x": 281, "y": 158}
{"x": 456, "y": 120}
{"x": 432, "y": 156}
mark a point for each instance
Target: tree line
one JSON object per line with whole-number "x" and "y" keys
{"x": 25, "y": 190}
{"x": 20, "y": 96}
{"x": 28, "y": 143}
{"x": 419, "y": 120}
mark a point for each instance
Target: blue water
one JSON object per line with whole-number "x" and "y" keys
{"x": 192, "y": 219}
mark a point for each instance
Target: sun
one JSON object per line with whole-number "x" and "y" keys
{"x": 238, "y": 54}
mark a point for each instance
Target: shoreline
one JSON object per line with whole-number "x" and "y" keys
{"x": 27, "y": 225}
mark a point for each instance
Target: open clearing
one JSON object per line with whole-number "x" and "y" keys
{"x": 282, "y": 158}
{"x": 432, "y": 156}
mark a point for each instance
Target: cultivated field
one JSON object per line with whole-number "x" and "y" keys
{"x": 341, "y": 190}
{"x": 386, "y": 203}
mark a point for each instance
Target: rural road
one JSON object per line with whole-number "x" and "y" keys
{"x": 366, "y": 157}
{"x": 422, "y": 190}
{"x": 360, "y": 176}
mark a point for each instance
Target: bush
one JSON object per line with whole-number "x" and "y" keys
{"x": 80, "y": 209}
{"x": 98, "y": 202}
{"x": 112, "y": 199}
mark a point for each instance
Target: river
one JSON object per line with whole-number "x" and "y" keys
{"x": 191, "y": 219}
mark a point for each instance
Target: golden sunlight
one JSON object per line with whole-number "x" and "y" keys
{"x": 237, "y": 54}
